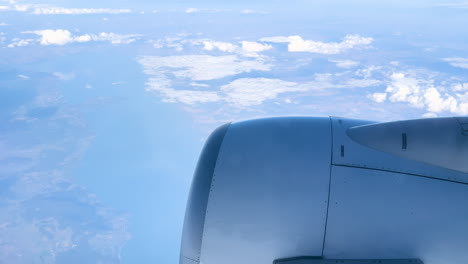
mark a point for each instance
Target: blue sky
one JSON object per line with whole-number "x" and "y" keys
{"x": 104, "y": 107}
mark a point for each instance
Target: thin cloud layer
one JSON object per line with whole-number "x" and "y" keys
{"x": 77, "y": 11}
{"x": 45, "y": 9}
{"x": 458, "y": 62}
{"x": 201, "y": 67}
{"x": 298, "y": 44}
{"x": 63, "y": 37}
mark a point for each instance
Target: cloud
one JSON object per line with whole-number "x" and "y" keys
{"x": 43, "y": 9}
{"x": 219, "y": 45}
{"x": 192, "y": 10}
{"x": 171, "y": 95}
{"x": 242, "y": 92}
{"x": 16, "y": 42}
{"x": 458, "y": 62}
{"x": 297, "y": 44}
{"x": 62, "y": 37}
{"x": 201, "y": 67}
{"x": 115, "y": 38}
{"x": 77, "y": 11}
{"x": 24, "y": 77}
{"x": 421, "y": 92}
{"x": 167, "y": 73}
{"x": 251, "y": 11}
{"x": 346, "y": 64}
{"x": 58, "y": 37}
{"x": 254, "y": 47}
{"x": 2, "y": 24}
{"x": 246, "y": 48}
{"x": 254, "y": 91}
{"x": 378, "y": 97}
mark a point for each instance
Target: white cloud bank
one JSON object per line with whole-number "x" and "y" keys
{"x": 201, "y": 67}
{"x": 62, "y": 37}
{"x": 164, "y": 72}
{"x": 243, "y": 48}
{"x": 297, "y": 44}
{"x": 458, "y": 62}
{"x": 422, "y": 93}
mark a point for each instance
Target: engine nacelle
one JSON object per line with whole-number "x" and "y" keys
{"x": 318, "y": 190}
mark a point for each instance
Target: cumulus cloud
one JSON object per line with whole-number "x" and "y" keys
{"x": 458, "y": 62}
{"x": 201, "y": 67}
{"x": 378, "y": 97}
{"x": 254, "y": 47}
{"x": 244, "y": 48}
{"x": 219, "y": 45}
{"x": 297, "y": 44}
{"x": 62, "y": 37}
{"x": 423, "y": 93}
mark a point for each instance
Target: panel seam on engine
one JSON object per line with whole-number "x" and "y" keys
{"x": 399, "y": 172}
{"x": 329, "y": 185}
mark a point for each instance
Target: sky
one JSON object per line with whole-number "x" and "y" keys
{"x": 105, "y": 106}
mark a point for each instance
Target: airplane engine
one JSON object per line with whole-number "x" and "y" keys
{"x": 310, "y": 190}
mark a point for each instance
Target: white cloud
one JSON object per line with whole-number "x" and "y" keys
{"x": 222, "y": 46}
{"x": 20, "y": 42}
{"x": 2, "y": 24}
{"x": 246, "y": 48}
{"x": 458, "y": 62}
{"x": 171, "y": 95}
{"x": 201, "y": 67}
{"x": 406, "y": 89}
{"x": 44, "y": 9}
{"x": 254, "y": 91}
{"x": 54, "y": 37}
{"x": 192, "y": 10}
{"x": 421, "y": 92}
{"x": 254, "y": 47}
{"x": 251, "y": 11}
{"x": 115, "y": 38}
{"x": 429, "y": 115}
{"x": 242, "y": 92}
{"x": 62, "y": 37}
{"x": 77, "y": 11}
{"x": 24, "y": 77}
{"x": 378, "y": 97}
{"x": 346, "y": 64}
{"x": 297, "y": 44}
{"x": 199, "y": 84}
